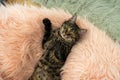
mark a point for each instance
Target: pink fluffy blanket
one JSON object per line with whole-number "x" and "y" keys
{"x": 96, "y": 57}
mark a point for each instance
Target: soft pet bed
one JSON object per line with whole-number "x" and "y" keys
{"x": 96, "y": 57}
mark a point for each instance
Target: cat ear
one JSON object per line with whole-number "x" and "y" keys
{"x": 73, "y": 18}
{"x": 82, "y": 31}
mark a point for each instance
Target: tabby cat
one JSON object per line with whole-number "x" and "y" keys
{"x": 57, "y": 45}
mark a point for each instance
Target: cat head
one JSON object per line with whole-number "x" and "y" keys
{"x": 70, "y": 31}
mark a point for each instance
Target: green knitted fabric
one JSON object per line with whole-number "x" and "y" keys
{"x": 104, "y": 14}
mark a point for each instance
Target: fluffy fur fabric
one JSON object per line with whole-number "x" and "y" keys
{"x": 96, "y": 57}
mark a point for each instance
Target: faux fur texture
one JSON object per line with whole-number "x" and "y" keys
{"x": 96, "y": 57}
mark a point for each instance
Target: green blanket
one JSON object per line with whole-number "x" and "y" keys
{"x": 104, "y": 14}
